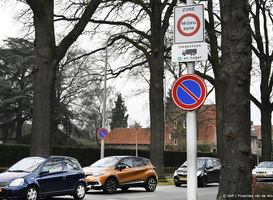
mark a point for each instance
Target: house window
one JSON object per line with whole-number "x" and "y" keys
{"x": 175, "y": 125}
{"x": 175, "y": 141}
{"x": 170, "y": 136}
{"x": 184, "y": 124}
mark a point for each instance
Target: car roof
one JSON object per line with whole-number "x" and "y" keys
{"x": 207, "y": 158}
{"x": 47, "y": 157}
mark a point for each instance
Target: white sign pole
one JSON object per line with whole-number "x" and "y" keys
{"x": 191, "y": 147}
{"x": 191, "y": 143}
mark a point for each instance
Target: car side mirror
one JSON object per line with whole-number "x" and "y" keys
{"x": 120, "y": 167}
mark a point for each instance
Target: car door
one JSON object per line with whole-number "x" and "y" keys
{"x": 126, "y": 175}
{"x": 217, "y": 169}
{"x": 52, "y": 177}
{"x": 140, "y": 168}
{"x": 210, "y": 171}
{"x": 73, "y": 173}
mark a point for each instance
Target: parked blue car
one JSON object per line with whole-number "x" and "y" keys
{"x": 35, "y": 177}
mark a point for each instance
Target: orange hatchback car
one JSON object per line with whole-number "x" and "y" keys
{"x": 123, "y": 172}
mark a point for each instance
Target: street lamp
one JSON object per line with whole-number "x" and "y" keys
{"x": 104, "y": 88}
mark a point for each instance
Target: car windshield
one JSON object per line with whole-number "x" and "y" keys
{"x": 27, "y": 164}
{"x": 200, "y": 163}
{"x": 106, "y": 162}
{"x": 266, "y": 165}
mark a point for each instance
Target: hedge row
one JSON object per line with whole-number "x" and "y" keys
{"x": 11, "y": 153}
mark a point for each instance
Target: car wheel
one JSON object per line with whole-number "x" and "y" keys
{"x": 110, "y": 186}
{"x": 31, "y": 193}
{"x": 151, "y": 184}
{"x": 80, "y": 191}
{"x": 203, "y": 182}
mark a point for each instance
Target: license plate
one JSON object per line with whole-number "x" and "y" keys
{"x": 261, "y": 175}
{"x": 183, "y": 179}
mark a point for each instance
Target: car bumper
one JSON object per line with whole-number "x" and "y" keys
{"x": 262, "y": 177}
{"x": 12, "y": 192}
{"x": 95, "y": 182}
{"x": 180, "y": 179}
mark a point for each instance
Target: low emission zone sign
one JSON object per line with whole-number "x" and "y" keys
{"x": 189, "y": 92}
{"x": 188, "y": 24}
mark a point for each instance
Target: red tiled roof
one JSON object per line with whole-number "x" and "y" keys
{"x": 128, "y": 136}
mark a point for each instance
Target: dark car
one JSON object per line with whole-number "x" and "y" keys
{"x": 264, "y": 171}
{"x": 208, "y": 171}
{"x": 35, "y": 177}
{"x": 123, "y": 172}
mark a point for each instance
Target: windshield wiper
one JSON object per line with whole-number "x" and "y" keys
{"x": 18, "y": 171}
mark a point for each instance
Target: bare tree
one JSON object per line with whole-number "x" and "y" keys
{"x": 48, "y": 56}
{"x": 142, "y": 32}
{"x": 261, "y": 16}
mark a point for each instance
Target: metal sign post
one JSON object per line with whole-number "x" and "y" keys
{"x": 188, "y": 28}
{"x": 191, "y": 120}
{"x": 191, "y": 142}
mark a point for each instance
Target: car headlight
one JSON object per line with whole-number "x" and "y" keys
{"x": 199, "y": 173}
{"x": 17, "y": 182}
{"x": 270, "y": 172}
{"x": 175, "y": 173}
{"x": 100, "y": 173}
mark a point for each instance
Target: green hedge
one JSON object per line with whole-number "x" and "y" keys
{"x": 11, "y": 153}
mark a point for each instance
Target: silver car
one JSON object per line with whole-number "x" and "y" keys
{"x": 264, "y": 171}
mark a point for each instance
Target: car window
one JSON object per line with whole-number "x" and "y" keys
{"x": 209, "y": 164}
{"x": 27, "y": 164}
{"x": 127, "y": 161}
{"x": 266, "y": 165}
{"x": 139, "y": 162}
{"x": 106, "y": 162}
{"x": 216, "y": 163}
{"x": 53, "y": 165}
{"x": 71, "y": 164}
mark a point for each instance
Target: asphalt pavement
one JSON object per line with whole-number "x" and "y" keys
{"x": 169, "y": 192}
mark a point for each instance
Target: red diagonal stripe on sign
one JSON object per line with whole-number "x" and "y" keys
{"x": 189, "y": 92}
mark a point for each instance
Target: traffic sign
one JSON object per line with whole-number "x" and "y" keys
{"x": 102, "y": 133}
{"x": 189, "y": 24}
{"x": 189, "y": 92}
{"x": 189, "y": 52}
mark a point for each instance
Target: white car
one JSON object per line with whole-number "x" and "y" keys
{"x": 264, "y": 171}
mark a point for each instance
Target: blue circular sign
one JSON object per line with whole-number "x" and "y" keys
{"x": 102, "y": 133}
{"x": 189, "y": 92}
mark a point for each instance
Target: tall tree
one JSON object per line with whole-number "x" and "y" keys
{"x": 16, "y": 62}
{"x": 235, "y": 78}
{"x": 148, "y": 42}
{"x": 261, "y": 15}
{"x": 48, "y": 56}
{"x": 119, "y": 117}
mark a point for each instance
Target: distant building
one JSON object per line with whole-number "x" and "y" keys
{"x": 175, "y": 134}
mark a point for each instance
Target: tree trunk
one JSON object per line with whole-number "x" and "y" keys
{"x": 266, "y": 110}
{"x": 235, "y": 77}
{"x": 44, "y": 78}
{"x": 156, "y": 63}
{"x": 47, "y": 58}
{"x": 216, "y": 66}
{"x": 19, "y": 124}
